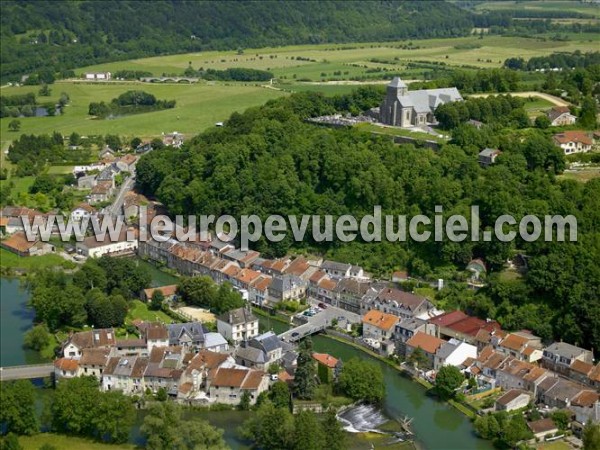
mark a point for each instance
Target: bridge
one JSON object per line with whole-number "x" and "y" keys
{"x": 319, "y": 322}
{"x": 301, "y": 331}
{"x": 169, "y": 79}
{"x": 27, "y": 372}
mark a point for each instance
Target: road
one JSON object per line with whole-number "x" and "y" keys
{"x": 26, "y": 372}
{"x": 115, "y": 209}
{"x": 551, "y": 98}
{"x": 320, "y": 321}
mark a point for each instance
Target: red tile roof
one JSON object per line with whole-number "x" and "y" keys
{"x": 70, "y": 365}
{"x": 19, "y": 242}
{"x": 380, "y": 320}
{"x": 327, "y": 284}
{"x": 425, "y": 342}
{"x": 325, "y": 359}
{"x": 168, "y": 291}
{"x": 573, "y": 136}
{"x": 448, "y": 318}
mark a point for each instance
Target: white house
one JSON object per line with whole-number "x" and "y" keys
{"x": 454, "y": 353}
{"x": 94, "y": 247}
{"x": 82, "y": 211}
{"x": 573, "y": 142}
{"x": 238, "y": 325}
{"x": 513, "y": 399}
{"x": 98, "y": 76}
{"x": 561, "y": 115}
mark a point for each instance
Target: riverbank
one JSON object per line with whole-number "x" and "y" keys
{"x": 12, "y": 264}
{"x": 464, "y": 409}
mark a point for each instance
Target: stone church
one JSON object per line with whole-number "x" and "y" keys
{"x": 404, "y": 108}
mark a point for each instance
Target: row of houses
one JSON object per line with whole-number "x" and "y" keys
{"x": 184, "y": 359}
{"x": 560, "y": 375}
{"x": 260, "y": 281}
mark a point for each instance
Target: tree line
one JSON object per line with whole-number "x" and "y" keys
{"x": 230, "y": 74}
{"x": 130, "y": 102}
{"x": 50, "y": 38}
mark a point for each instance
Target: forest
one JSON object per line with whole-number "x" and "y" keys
{"x": 268, "y": 160}
{"x": 54, "y": 36}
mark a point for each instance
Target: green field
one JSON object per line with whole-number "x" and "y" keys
{"x": 563, "y": 6}
{"x": 8, "y": 259}
{"x": 491, "y": 51}
{"x": 139, "y": 310}
{"x": 203, "y": 104}
{"x": 60, "y": 441}
{"x": 198, "y": 107}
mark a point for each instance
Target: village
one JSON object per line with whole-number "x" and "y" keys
{"x": 225, "y": 360}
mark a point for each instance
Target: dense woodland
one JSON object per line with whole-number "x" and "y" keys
{"x": 268, "y": 160}
{"x": 63, "y": 35}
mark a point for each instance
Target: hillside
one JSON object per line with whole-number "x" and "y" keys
{"x": 59, "y": 35}
{"x": 268, "y": 160}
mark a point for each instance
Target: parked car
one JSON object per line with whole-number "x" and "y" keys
{"x": 322, "y": 306}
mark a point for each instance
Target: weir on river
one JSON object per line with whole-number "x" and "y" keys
{"x": 436, "y": 425}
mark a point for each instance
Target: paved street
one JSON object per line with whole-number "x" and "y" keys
{"x": 26, "y": 372}
{"x": 320, "y": 321}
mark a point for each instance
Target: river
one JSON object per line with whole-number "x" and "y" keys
{"x": 436, "y": 425}
{"x": 15, "y": 319}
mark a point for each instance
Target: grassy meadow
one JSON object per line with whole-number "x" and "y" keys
{"x": 491, "y": 51}
{"x": 198, "y": 107}
{"x": 202, "y": 104}
{"x": 556, "y": 5}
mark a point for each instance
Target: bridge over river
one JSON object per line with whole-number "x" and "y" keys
{"x": 319, "y": 322}
{"x": 28, "y": 372}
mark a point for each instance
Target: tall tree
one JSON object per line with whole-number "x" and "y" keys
{"x": 591, "y": 436}
{"x": 270, "y": 428}
{"x": 588, "y": 113}
{"x": 335, "y": 436}
{"x": 305, "y": 377}
{"x": 362, "y": 380}
{"x": 17, "y": 407}
{"x": 447, "y": 380}
{"x": 308, "y": 433}
{"x": 164, "y": 429}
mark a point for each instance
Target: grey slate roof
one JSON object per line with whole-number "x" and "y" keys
{"x": 565, "y": 350}
{"x": 446, "y": 350}
{"x": 193, "y": 329}
{"x": 397, "y": 82}
{"x": 251, "y": 354}
{"x": 411, "y": 323}
{"x": 487, "y": 152}
{"x": 237, "y": 316}
{"x": 334, "y": 265}
{"x": 267, "y": 342}
{"x": 213, "y": 340}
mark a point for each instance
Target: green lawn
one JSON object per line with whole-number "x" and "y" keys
{"x": 556, "y": 445}
{"x": 139, "y": 310}
{"x": 199, "y": 106}
{"x": 67, "y": 442}
{"x": 21, "y": 184}
{"x": 10, "y": 260}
